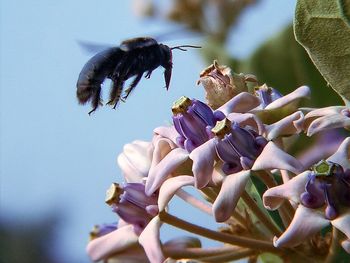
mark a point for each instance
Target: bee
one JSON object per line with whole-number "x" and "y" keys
{"x": 132, "y": 58}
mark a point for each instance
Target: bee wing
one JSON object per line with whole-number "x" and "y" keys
{"x": 92, "y": 47}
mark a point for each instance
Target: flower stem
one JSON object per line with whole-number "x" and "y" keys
{"x": 264, "y": 219}
{"x": 235, "y": 255}
{"x": 222, "y": 237}
{"x": 211, "y": 195}
{"x": 194, "y": 201}
{"x": 213, "y": 254}
{"x": 336, "y": 253}
{"x": 267, "y": 178}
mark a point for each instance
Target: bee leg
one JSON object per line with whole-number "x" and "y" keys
{"x": 96, "y": 100}
{"x": 167, "y": 76}
{"x": 114, "y": 96}
{"x": 132, "y": 85}
{"x": 148, "y": 74}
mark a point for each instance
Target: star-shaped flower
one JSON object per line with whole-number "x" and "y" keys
{"x": 323, "y": 198}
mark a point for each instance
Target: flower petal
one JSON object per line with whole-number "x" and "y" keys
{"x": 342, "y": 155}
{"x": 319, "y": 112}
{"x": 299, "y": 93}
{"x": 169, "y": 188}
{"x": 114, "y": 242}
{"x": 292, "y": 124}
{"x": 229, "y": 194}
{"x": 306, "y": 222}
{"x": 328, "y": 122}
{"x": 290, "y": 190}
{"x": 150, "y": 240}
{"x": 342, "y": 223}
{"x": 135, "y": 160}
{"x": 159, "y": 173}
{"x": 273, "y": 157}
{"x": 203, "y": 160}
{"x": 247, "y": 119}
{"x": 167, "y": 132}
{"x": 241, "y": 103}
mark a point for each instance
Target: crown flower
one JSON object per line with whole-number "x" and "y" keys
{"x": 234, "y": 158}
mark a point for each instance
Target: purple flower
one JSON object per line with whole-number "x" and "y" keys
{"x": 323, "y": 198}
{"x": 132, "y": 204}
{"x": 328, "y": 185}
{"x": 237, "y": 147}
{"x": 193, "y": 120}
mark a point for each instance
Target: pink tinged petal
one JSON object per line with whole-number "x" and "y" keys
{"x": 328, "y": 122}
{"x": 342, "y": 223}
{"x": 299, "y": 93}
{"x": 162, "y": 147}
{"x": 150, "y": 240}
{"x": 241, "y": 103}
{"x": 247, "y": 119}
{"x": 306, "y": 223}
{"x": 230, "y": 192}
{"x": 291, "y": 190}
{"x": 203, "y": 160}
{"x": 342, "y": 155}
{"x": 169, "y": 188}
{"x": 114, "y": 242}
{"x": 324, "y": 111}
{"x": 159, "y": 173}
{"x": 273, "y": 157}
{"x": 135, "y": 160}
{"x": 167, "y": 132}
{"x": 292, "y": 124}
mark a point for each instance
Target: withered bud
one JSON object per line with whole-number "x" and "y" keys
{"x": 221, "y": 84}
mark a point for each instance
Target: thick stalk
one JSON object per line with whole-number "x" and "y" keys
{"x": 199, "y": 253}
{"x": 264, "y": 219}
{"x": 222, "y": 237}
{"x": 194, "y": 201}
{"x": 236, "y": 255}
{"x": 211, "y": 195}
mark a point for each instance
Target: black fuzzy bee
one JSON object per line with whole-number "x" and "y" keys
{"x": 133, "y": 57}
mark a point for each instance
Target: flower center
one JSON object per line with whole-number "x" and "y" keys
{"x": 237, "y": 147}
{"x": 328, "y": 185}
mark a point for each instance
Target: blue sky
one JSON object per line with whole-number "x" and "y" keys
{"x": 54, "y": 156}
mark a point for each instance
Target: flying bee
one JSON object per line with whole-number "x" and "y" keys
{"x": 133, "y": 57}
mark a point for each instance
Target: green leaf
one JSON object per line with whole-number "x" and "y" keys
{"x": 323, "y": 29}
{"x": 282, "y": 63}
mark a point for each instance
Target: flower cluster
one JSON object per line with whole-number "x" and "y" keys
{"x": 234, "y": 151}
